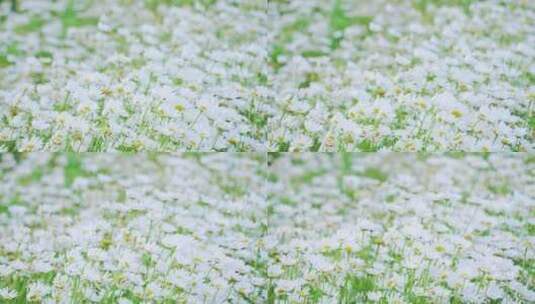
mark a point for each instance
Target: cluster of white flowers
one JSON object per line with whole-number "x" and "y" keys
{"x": 409, "y": 75}
{"x": 289, "y": 228}
{"x": 256, "y": 75}
{"x": 206, "y": 79}
{"x": 112, "y": 228}
{"x": 133, "y": 75}
{"x": 401, "y": 228}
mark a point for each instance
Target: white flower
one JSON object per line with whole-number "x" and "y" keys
{"x": 494, "y": 291}
{"x": 37, "y": 291}
{"x": 274, "y": 270}
{"x": 374, "y": 295}
{"x": 124, "y": 301}
{"x": 375, "y": 27}
{"x": 7, "y": 294}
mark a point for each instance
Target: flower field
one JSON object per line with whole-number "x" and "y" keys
{"x": 292, "y": 228}
{"x": 267, "y": 151}
{"x": 132, "y": 75}
{"x": 277, "y": 75}
{"x": 420, "y": 75}
{"x": 401, "y": 228}
{"x": 106, "y": 228}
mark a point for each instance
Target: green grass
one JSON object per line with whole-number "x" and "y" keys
{"x": 355, "y": 287}
{"x": 313, "y": 53}
{"x": 258, "y": 119}
{"x": 3, "y": 61}
{"x": 38, "y": 78}
{"x": 96, "y": 145}
{"x": 367, "y": 145}
{"x": 375, "y": 173}
{"x": 501, "y": 189}
{"x": 310, "y": 78}
{"x": 35, "y": 24}
{"x": 44, "y": 54}
{"x": 73, "y": 169}
{"x": 347, "y": 162}
{"x": 20, "y": 284}
{"x": 70, "y": 17}
{"x": 307, "y": 177}
{"x": 339, "y": 21}
{"x": 35, "y": 176}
